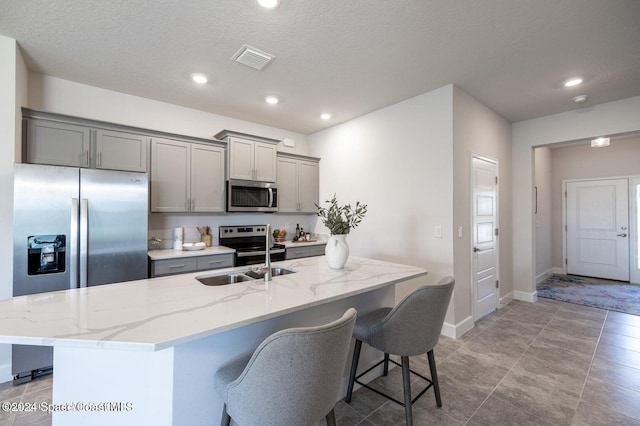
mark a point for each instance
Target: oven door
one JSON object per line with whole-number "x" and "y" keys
{"x": 250, "y": 196}
{"x": 257, "y": 257}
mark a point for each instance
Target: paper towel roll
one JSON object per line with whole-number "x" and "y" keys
{"x": 178, "y": 238}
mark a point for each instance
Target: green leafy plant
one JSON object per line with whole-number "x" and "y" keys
{"x": 341, "y": 219}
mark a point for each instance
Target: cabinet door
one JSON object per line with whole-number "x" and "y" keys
{"x": 173, "y": 266}
{"x": 59, "y": 144}
{"x": 287, "y": 185}
{"x": 308, "y": 183}
{"x": 121, "y": 151}
{"x": 207, "y": 178}
{"x": 170, "y": 167}
{"x": 265, "y": 162}
{"x": 296, "y": 252}
{"x": 241, "y": 159}
{"x": 317, "y": 250}
{"x": 215, "y": 261}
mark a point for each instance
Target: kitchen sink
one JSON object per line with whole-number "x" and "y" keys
{"x": 259, "y": 274}
{"x": 222, "y": 279}
{"x": 242, "y": 276}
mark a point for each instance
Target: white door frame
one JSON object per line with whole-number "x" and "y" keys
{"x": 471, "y": 239}
{"x": 633, "y": 211}
{"x": 634, "y": 225}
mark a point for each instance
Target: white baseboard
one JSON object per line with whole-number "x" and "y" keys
{"x": 543, "y": 276}
{"x": 525, "y": 297}
{"x": 457, "y": 330}
{"x": 557, "y": 270}
{"x": 505, "y": 300}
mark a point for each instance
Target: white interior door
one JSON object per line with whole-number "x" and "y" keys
{"x": 598, "y": 228}
{"x": 484, "y": 226}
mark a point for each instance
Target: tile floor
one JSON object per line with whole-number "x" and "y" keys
{"x": 549, "y": 363}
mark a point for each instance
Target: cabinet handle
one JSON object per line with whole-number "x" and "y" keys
{"x": 193, "y": 204}
{"x": 100, "y": 159}
{"x": 176, "y": 266}
{"x": 213, "y": 262}
{"x": 85, "y": 157}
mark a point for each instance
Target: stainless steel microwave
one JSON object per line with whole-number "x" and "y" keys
{"x": 251, "y": 196}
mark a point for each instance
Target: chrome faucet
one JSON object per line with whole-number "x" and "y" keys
{"x": 267, "y": 256}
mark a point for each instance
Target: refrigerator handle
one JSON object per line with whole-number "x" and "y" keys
{"x": 84, "y": 228}
{"x": 73, "y": 245}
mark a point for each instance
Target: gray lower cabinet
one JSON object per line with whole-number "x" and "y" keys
{"x": 184, "y": 265}
{"x": 305, "y": 251}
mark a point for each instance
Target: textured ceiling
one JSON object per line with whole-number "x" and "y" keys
{"x": 347, "y": 57}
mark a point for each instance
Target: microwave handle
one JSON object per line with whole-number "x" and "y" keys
{"x": 270, "y": 197}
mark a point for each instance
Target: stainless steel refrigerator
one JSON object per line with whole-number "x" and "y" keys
{"x": 74, "y": 228}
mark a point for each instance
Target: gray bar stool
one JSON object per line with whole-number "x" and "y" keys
{"x": 411, "y": 328}
{"x": 293, "y": 378}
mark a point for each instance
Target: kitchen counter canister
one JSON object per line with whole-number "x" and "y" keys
{"x": 154, "y": 345}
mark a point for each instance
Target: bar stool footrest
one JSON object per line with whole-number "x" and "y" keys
{"x": 422, "y": 392}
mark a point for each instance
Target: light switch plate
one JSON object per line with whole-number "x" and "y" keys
{"x": 459, "y": 231}
{"x": 437, "y": 231}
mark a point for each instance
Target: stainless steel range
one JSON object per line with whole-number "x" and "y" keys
{"x": 250, "y": 244}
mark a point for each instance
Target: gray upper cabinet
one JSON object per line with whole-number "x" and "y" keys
{"x": 186, "y": 177}
{"x": 121, "y": 151}
{"x": 70, "y": 144}
{"x": 298, "y": 183}
{"x": 250, "y": 157}
{"x": 55, "y": 143}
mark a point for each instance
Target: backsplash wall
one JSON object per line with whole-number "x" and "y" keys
{"x": 161, "y": 224}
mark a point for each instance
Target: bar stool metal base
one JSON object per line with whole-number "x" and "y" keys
{"x": 422, "y": 392}
{"x": 406, "y": 380}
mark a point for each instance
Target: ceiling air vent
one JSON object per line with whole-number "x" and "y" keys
{"x": 252, "y": 57}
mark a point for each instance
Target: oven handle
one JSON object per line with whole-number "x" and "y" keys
{"x": 258, "y": 253}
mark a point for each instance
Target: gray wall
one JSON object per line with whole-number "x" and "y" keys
{"x": 621, "y": 158}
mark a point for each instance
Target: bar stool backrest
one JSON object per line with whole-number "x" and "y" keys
{"x": 294, "y": 376}
{"x": 413, "y": 326}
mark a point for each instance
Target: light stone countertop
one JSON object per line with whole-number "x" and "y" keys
{"x": 153, "y": 314}
{"x": 175, "y": 254}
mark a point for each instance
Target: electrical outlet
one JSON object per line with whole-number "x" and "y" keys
{"x": 459, "y": 231}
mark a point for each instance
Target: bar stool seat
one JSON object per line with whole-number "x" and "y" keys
{"x": 293, "y": 378}
{"x": 411, "y": 328}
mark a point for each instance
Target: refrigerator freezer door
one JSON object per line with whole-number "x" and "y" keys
{"x": 116, "y": 226}
{"x": 43, "y": 202}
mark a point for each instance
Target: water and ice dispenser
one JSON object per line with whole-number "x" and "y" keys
{"x": 46, "y": 254}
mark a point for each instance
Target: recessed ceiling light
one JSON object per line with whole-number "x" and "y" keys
{"x": 573, "y": 82}
{"x": 580, "y": 98}
{"x": 325, "y": 116}
{"x": 272, "y": 100}
{"x": 600, "y": 142}
{"x": 199, "y": 78}
{"x": 269, "y": 4}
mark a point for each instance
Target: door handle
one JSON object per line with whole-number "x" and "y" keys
{"x": 84, "y": 241}
{"x": 73, "y": 244}
{"x": 476, "y": 249}
{"x": 622, "y": 235}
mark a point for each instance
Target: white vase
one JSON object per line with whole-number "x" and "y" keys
{"x": 337, "y": 251}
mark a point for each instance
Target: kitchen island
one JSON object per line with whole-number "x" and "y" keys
{"x": 145, "y": 352}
